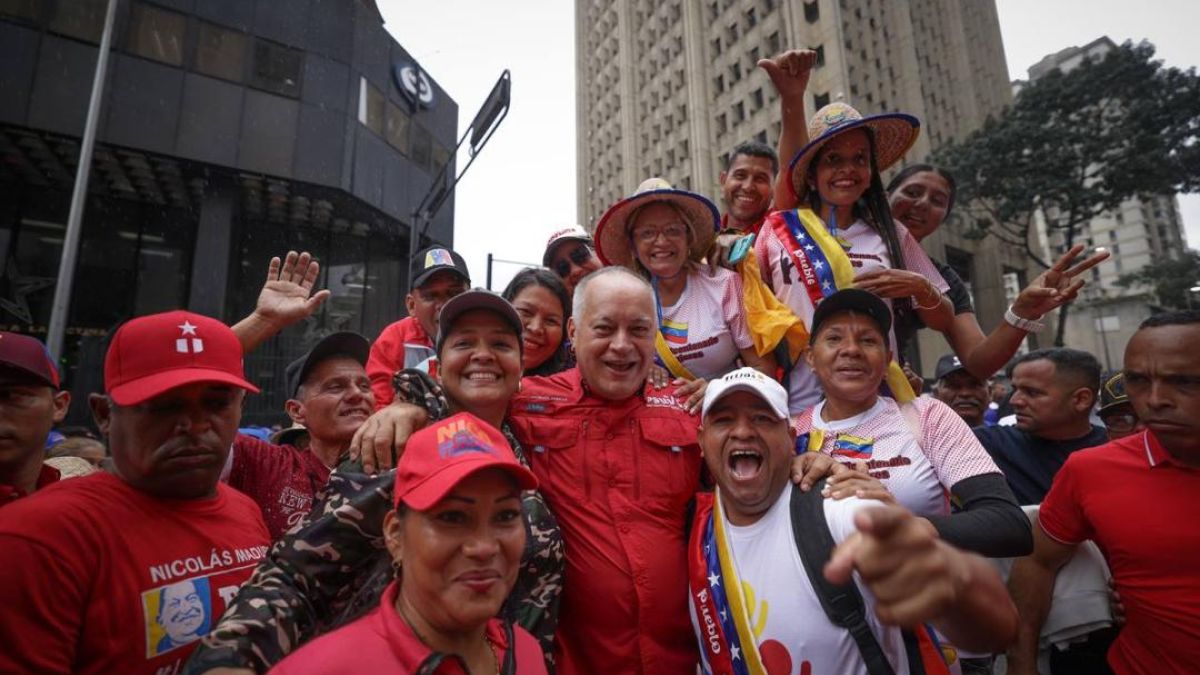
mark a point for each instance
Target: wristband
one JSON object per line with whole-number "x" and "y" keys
{"x": 1022, "y": 324}
{"x": 937, "y": 298}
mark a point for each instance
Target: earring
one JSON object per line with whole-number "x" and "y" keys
{"x": 397, "y": 568}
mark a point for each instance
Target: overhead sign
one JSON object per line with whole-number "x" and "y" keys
{"x": 413, "y": 83}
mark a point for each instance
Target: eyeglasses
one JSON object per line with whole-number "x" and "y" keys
{"x": 1120, "y": 422}
{"x": 649, "y": 234}
{"x": 578, "y": 255}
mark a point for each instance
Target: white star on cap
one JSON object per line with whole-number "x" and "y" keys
{"x": 187, "y": 328}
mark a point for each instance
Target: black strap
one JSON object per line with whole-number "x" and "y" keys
{"x": 843, "y": 604}
{"x": 434, "y": 661}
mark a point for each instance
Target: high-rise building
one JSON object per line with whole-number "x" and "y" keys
{"x": 1143, "y": 230}
{"x": 668, "y": 87}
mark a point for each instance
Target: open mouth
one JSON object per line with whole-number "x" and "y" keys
{"x": 360, "y": 413}
{"x": 745, "y": 464}
{"x": 483, "y": 377}
{"x": 622, "y": 367}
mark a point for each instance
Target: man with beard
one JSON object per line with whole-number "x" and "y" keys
{"x": 1053, "y": 394}
{"x": 1135, "y": 497}
{"x": 89, "y": 561}
{"x": 966, "y": 394}
{"x": 749, "y": 552}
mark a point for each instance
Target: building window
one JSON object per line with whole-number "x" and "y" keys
{"x": 733, "y": 33}
{"x": 758, "y": 98}
{"x": 220, "y": 52}
{"x": 276, "y": 68}
{"x": 739, "y": 112}
{"x": 721, "y": 125}
{"x": 719, "y": 83}
{"x": 440, "y": 157}
{"x": 422, "y": 147}
{"x": 751, "y": 18}
{"x": 735, "y": 72}
{"x": 812, "y": 11}
{"x": 396, "y": 129}
{"x": 716, "y": 46}
{"x": 370, "y": 106}
{"x": 773, "y": 43}
{"x": 761, "y": 136}
{"x": 81, "y": 19}
{"x": 157, "y": 34}
{"x": 754, "y": 55}
{"x": 819, "y": 61}
{"x": 821, "y": 100}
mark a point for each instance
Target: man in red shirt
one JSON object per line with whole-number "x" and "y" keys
{"x": 122, "y": 572}
{"x": 1135, "y": 497}
{"x": 330, "y": 394}
{"x": 30, "y": 404}
{"x": 438, "y": 274}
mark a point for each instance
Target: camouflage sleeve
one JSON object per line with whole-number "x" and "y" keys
{"x": 533, "y": 601}
{"x": 308, "y": 579}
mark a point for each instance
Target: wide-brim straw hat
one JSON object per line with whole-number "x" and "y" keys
{"x": 614, "y": 243}
{"x": 894, "y": 134}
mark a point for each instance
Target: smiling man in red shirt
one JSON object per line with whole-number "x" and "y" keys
{"x": 1135, "y": 497}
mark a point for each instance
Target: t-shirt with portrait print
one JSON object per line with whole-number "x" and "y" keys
{"x": 867, "y": 252}
{"x": 706, "y": 327}
{"x": 103, "y": 578}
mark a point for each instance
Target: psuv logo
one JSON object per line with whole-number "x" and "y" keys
{"x": 413, "y": 83}
{"x": 462, "y": 437}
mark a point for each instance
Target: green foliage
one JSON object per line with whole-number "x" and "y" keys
{"x": 1078, "y": 143}
{"x": 1170, "y": 280}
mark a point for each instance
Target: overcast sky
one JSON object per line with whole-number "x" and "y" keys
{"x": 522, "y": 187}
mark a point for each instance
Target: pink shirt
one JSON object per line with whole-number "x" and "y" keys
{"x": 706, "y": 327}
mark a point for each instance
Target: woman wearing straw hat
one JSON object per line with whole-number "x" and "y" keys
{"x": 662, "y": 233}
{"x": 843, "y": 234}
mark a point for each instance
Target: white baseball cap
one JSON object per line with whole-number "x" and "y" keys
{"x": 747, "y": 379}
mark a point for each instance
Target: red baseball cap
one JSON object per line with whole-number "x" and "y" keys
{"x": 28, "y": 356}
{"x": 152, "y": 354}
{"x": 441, "y": 455}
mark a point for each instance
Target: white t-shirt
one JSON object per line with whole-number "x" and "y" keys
{"x": 794, "y": 635}
{"x": 868, "y": 252}
{"x": 919, "y": 475}
{"x": 706, "y": 327}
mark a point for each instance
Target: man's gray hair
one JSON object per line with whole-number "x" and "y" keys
{"x": 577, "y": 303}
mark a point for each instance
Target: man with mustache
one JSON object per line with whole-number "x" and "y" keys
{"x": 1053, "y": 394}
{"x": 1135, "y": 497}
{"x": 30, "y": 404}
{"x": 966, "y": 394}
{"x": 743, "y": 553}
{"x": 87, "y": 560}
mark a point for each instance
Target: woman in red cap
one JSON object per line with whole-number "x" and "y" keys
{"x": 455, "y": 540}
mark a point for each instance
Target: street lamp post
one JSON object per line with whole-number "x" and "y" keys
{"x": 490, "y": 114}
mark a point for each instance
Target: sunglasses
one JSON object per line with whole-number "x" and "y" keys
{"x": 578, "y": 255}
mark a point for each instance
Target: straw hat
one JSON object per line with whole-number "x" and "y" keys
{"x": 613, "y": 243}
{"x": 894, "y": 134}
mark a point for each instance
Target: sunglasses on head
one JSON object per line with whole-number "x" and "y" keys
{"x": 578, "y": 255}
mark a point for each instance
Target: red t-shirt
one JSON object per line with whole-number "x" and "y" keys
{"x": 618, "y": 476}
{"x": 102, "y": 578}
{"x": 383, "y": 642}
{"x": 46, "y": 477}
{"x": 403, "y": 344}
{"x": 1138, "y": 505}
{"x": 281, "y": 479}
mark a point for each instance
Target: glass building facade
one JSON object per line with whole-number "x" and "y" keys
{"x": 231, "y": 131}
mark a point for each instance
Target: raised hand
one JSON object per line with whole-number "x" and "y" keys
{"x": 286, "y": 296}
{"x": 789, "y": 71}
{"x": 1056, "y": 286}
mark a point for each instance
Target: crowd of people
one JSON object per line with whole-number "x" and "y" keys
{"x": 690, "y": 442}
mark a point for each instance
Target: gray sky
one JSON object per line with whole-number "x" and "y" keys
{"x": 522, "y": 187}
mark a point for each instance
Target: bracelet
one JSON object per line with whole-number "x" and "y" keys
{"x": 936, "y": 293}
{"x": 1022, "y": 324}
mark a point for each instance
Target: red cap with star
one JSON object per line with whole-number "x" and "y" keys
{"x": 152, "y": 354}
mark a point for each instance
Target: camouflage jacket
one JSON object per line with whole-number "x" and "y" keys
{"x": 332, "y": 568}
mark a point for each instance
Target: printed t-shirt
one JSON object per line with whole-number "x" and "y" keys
{"x": 1138, "y": 504}
{"x": 103, "y": 578}
{"x": 794, "y": 634}
{"x": 706, "y": 327}
{"x": 383, "y": 642}
{"x": 281, "y": 479}
{"x": 402, "y": 344}
{"x": 919, "y": 475}
{"x": 47, "y": 476}
{"x": 868, "y": 253}
{"x": 1029, "y": 462}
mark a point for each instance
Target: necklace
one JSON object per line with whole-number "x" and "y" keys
{"x": 487, "y": 642}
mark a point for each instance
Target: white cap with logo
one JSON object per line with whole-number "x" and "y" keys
{"x": 749, "y": 380}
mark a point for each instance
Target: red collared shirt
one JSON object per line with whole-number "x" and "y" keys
{"x": 618, "y": 476}
{"x": 1139, "y": 506}
{"x": 403, "y": 344}
{"x": 47, "y": 476}
{"x": 383, "y": 642}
